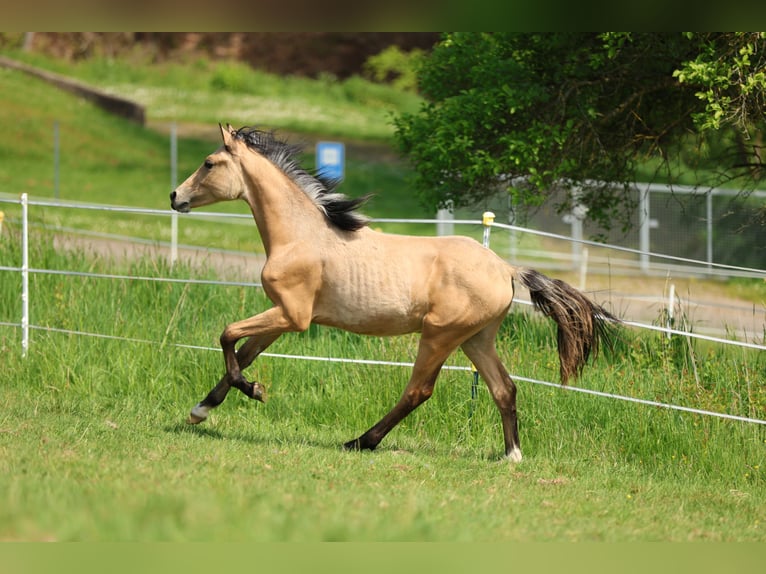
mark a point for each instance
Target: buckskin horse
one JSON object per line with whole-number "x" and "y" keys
{"x": 325, "y": 265}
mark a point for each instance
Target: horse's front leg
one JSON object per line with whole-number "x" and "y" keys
{"x": 262, "y": 330}
{"x": 246, "y": 354}
{"x": 215, "y": 397}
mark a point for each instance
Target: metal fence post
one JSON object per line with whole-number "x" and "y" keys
{"x": 173, "y": 238}
{"x": 56, "y": 159}
{"x": 487, "y": 219}
{"x": 173, "y": 185}
{"x": 24, "y": 274}
{"x": 671, "y": 308}
{"x": 643, "y": 229}
{"x": 709, "y": 235}
{"x": 445, "y": 216}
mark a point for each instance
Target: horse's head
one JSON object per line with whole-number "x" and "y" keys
{"x": 219, "y": 178}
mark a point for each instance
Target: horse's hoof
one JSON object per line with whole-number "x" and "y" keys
{"x": 259, "y": 392}
{"x": 515, "y": 455}
{"x": 197, "y": 415}
{"x": 352, "y": 445}
{"x": 359, "y": 444}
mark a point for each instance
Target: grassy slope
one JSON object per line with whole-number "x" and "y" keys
{"x": 106, "y": 160}
{"x": 203, "y": 92}
{"x": 103, "y": 159}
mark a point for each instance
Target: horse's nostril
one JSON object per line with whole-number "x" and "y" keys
{"x": 172, "y": 195}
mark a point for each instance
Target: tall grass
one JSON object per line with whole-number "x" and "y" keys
{"x": 93, "y": 444}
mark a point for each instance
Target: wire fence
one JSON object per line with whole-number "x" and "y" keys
{"x": 487, "y": 222}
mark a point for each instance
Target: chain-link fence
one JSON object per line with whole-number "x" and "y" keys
{"x": 712, "y": 226}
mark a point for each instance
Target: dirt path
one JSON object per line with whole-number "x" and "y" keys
{"x": 705, "y": 305}
{"x": 228, "y": 265}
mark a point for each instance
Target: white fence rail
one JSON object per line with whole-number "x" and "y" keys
{"x": 25, "y": 270}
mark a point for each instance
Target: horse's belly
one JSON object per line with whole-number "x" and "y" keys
{"x": 371, "y": 300}
{"x": 371, "y": 316}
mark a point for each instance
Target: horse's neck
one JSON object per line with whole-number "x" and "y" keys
{"x": 283, "y": 213}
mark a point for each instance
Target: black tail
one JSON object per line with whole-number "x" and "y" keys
{"x": 582, "y": 325}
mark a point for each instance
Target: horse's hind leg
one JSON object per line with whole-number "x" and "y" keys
{"x": 432, "y": 353}
{"x": 246, "y": 354}
{"x": 480, "y": 349}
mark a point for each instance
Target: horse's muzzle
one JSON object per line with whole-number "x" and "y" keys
{"x": 181, "y": 206}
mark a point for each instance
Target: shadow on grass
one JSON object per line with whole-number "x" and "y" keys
{"x": 395, "y": 446}
{"x": 250, "y": 438}
{"x": 182, "y": 428}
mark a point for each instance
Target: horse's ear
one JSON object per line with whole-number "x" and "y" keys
{"x": 225, "y": 134}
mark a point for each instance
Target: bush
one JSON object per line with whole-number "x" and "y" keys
{"x": 395, "y": 67}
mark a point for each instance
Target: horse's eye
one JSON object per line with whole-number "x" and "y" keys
{"x": 208, "y": 164}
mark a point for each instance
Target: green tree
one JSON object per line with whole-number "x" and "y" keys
{"x": 529, "y": 112}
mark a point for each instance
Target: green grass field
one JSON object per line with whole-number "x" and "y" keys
{"x": 93, "y": 444}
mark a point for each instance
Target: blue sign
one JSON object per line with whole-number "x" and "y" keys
{"x": 330, "y": 159}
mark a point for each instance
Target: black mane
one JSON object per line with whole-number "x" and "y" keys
{"x": 339, "y": 209}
